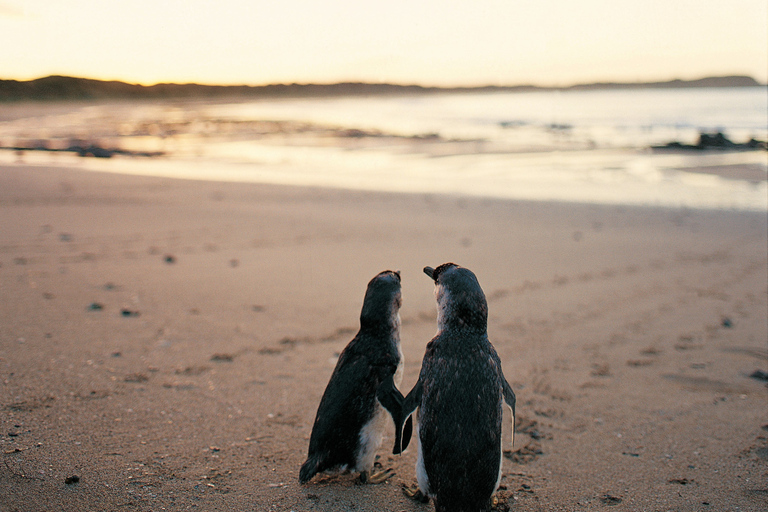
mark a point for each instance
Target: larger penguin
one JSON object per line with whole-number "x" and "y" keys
{"x": 459, "y": 394}
{"x": 350, "y": 421}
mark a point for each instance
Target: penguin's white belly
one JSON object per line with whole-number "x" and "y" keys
{"x": 501, "y": 463}
{"x": 421, "y": 472}
{"x": 370, "y": 439}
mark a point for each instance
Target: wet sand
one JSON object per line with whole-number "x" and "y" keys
{"x": 167, "y": 342}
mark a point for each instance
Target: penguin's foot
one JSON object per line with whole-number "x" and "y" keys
{"x": 376, "y": 478}
{"x": 415, "y": 494}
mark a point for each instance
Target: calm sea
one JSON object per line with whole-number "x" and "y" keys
{"x": 583, "y": 146}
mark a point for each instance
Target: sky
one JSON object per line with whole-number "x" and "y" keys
{"x": 425, "y": 42}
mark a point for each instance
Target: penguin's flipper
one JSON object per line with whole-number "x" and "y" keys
{"x": 407, "y": 431}
{"x": 410, "y": 403}
{"x": 510, "y": 399}
{"x": 392, "y": 400}
{"x": 509, "y": 395}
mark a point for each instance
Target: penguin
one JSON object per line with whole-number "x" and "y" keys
{"x": 459, "y": 395}
{"x": 349, "y": 423}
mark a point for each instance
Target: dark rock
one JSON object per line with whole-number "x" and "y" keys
{"x": 607, "y": 499}
{"x": 94, "y": 151}
{"x": 715, "y": 141}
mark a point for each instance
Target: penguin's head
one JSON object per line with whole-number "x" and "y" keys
{"x": 460, "y": 299}
{"x": 381, "y": 306}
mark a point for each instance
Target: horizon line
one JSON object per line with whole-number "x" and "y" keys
{"x": 676, "y": 80}
{"x": 67, "y": 88}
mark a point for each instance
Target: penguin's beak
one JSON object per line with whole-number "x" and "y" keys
{"x": 430, "y": 272}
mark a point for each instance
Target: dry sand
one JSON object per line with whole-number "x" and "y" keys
{"x": 168, "y": 341}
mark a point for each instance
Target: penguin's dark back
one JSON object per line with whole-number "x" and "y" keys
{"x": 460, "y": 417}
{"x": 349, "y": 400}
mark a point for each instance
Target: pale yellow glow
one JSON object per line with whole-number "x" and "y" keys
{"x": 427, "y": 42}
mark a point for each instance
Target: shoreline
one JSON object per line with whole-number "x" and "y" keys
{"x": 537, "y": 179}
{"x": 628, "y": 333}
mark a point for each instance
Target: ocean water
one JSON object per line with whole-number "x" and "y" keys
{"x": 582, "y": 146}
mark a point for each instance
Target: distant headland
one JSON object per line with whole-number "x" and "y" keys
{"x": 66, "y": 88}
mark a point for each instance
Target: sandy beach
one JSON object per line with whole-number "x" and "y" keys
{"x": 164, "y": 343}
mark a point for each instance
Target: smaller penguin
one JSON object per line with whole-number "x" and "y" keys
{"x": 459, "y": 394}
{"x": 350, "y": 420}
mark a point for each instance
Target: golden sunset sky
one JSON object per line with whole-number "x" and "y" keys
{"x": 427, "y": 42}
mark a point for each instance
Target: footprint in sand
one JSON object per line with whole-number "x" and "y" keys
{"x": 705, "y": 384}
